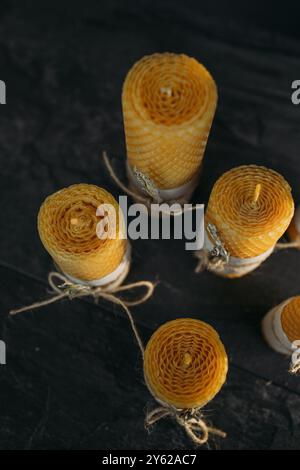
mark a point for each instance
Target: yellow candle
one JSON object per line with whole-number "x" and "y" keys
{"x": 290, "y": 319}
{"x": 67, "y": 225}
{"x": 169, "y": 102}
{"x": 185, "y": 363}
{"x": 250, "y": 207}
{"x": 281, "y": 326}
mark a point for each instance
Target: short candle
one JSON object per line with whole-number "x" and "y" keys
{"x": 281, "y": 326}
{"x": 185, "y": 363}
{"x": 67, "y": 223}
{"x": 250, "y": 207}
{"x": 168, "y": 101}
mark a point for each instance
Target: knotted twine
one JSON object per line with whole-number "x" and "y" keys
{"x": 145, "y": 184}
{"x": 67, "y": 289}
{"x": 185, "y": 366}
{"x": 219, "y": 257}
{"x": 191, "y": 420}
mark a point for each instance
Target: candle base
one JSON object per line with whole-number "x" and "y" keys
{"x": 114, "y": 279}
{"x": 273, "y": 333}
{"x": 181, "y": 194}
{"x": 235, "y": 267}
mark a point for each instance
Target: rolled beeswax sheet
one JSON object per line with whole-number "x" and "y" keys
{"x": 290, "y": 319}
{"x": 168, "y": 102}
{"x": 67, "y": 223}
{"x": 281, "y": 325}
{"x": 185, "y": 363}
{"x": 251, "y": 208}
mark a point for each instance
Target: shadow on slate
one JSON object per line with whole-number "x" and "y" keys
{"x": 82, "y": 387}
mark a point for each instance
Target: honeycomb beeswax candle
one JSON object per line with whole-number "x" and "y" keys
{"x": 249, "y": 209}
{"x": 67, "y": 225}
{"x": 185, "y": 366}
{"x": 281, "y": 327}
{"x": 294, "y": 229}
{"x": 168, "y": 102}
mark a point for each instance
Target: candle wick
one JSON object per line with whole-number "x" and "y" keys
{"x": 187, "y": 359}
{"x": 166, "y": 90}
{"x": 74, "y": 221}
{"x": 256, "y": 194}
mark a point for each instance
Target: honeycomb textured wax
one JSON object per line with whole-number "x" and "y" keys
{"x": 67, "y": 224}
{"x": 168, "y": 102}
{"x": 251, "y": 207}
{"x": 185, "y": 363}
{"x": 290, "y": 319}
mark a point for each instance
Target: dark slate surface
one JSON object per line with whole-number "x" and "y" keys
{"x": 73, "y": 378}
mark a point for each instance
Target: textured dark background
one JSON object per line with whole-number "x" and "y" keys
{"x": 73, "y": 378}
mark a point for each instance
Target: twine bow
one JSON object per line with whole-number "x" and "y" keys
{"x": 191, "y": 420}
{"x": 62, "y": 287}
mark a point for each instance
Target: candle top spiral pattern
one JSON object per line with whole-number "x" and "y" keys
{"x": 168, "y": 89}
{"x": 251, "y": 207}
{"x": 67, "y": 224}
{"x": 185, "y": 363}
{"x": 168, "y": 102}
{"x": 290, "y": 319}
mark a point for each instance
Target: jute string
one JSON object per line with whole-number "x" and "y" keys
{"x": 122, "y": 186}
{"x": 218, "y": 258}
{"x": 285, "y": 246}
{"x": 62, "y": 288}
{"x": 191, "y": 420}
{"x": 148, "y": 187}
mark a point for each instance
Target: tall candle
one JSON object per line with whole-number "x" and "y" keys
{"x": 67, "y": 225}
{"x": 250, "y": 207}
{"x": 185, "y": 363}
{"x": 281, "y": 326}
{"x": 169, "y": 102}
{"x": 294, "y": 228}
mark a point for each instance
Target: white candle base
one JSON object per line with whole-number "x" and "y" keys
{"x": 182, "y": 194}
{"x": 114, "y": 279}
{"x": 236, "y": 267}
{"x": 273, "y": 332}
